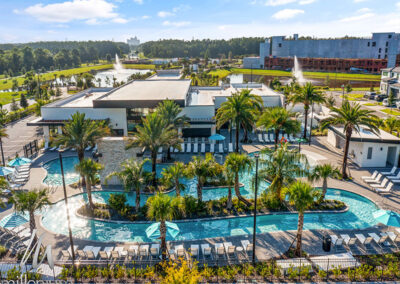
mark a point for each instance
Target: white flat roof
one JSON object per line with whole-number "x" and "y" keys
{"x": 367, "y": 135}
{"x": 85, "y": 101}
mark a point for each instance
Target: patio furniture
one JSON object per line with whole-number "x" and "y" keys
{"x": 338, "y": 243}
{"x": 144, "y": 252}
{"x": 392, "y": 171}
{"x": 206, "y": 251}
{"x": 230, "y": 147}
{"x": 271, "y": 138}
{"x": 65, "y": 255}
{"x": 108, "y": 251}
{"x": 260, "y": 139}
{"x": 133, "y": 251}
{"x": 220, "y": 148}
{"x": 375, "y": 180}
{"x": 52, "y": 149}
{"x": 180, "y": 251}
{"x": 212, "y": 147}
{"x": 393, "y": 237}
{"x": 103, "y": 255}
{"x": 247, "y": 247}
{"x": 380, "y": 241}
{"x": 155, "y": 251}
{"x": 203, "y": 148}
{"x": 366, "y": 242}
{"x": 189, "y": 147}
{"x": 88, "y": 148}
{"x": 219, "y": 250}
{"x": 195, "y": 148}
{"x": 388, "y": 188}
{"x": 182, "y": 147}
{"x": 381, "y": 185}
{"x": 194, "y": 251}
{"x": 266, "y": 138}
{"x": 371, "y": 177}
{"x": 160, "y": 150}
{"x": 81, "y": 254}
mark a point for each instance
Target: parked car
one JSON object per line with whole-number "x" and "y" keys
{"x": 385, "y": 102}
{"x": 369, "y": 95}
{"x": 398, "y": 104}
{"x": 380, "y": 97}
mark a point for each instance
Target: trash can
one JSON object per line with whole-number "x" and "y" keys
{"x": 326, "y": 243}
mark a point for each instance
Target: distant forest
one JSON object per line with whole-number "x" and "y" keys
{"x": 17, "y": 59}
{"x": 202, "y": 48}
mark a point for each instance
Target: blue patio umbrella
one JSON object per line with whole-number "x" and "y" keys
{"x": 388, "y": 218}
{"x": 153, "y": 231}
{"x": 217, "y": 137}
{"x": 19, "y": 162}
{"x": 13, "y": 220}
{"x": 5, "y": 171}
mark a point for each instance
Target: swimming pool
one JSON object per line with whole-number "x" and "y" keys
{"x": 53, "y": 169}
{"x": 359, "y": 215}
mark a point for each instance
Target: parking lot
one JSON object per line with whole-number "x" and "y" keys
{"x": 19, "y": 135}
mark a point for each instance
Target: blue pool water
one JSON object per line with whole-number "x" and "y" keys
{"x": 54, "y": 171}
{"x": 358, "y": 216}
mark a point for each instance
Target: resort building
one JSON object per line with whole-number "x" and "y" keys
{"x": 390, "y": 81}
{"x": 125, "y": 106}
{"x": 341, "y": 54}
{"x": 366, "y": 148}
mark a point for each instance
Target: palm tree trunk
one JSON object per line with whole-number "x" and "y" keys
{"x": 237, "y": 136}
{"x": 177, "y": 189}
{"x": 169, "y": 153}
{"x": 305, "y": 121}
{"x": 32, "y": 224}
{"x": 229, "y": 202}
{"x": 346, "y": 153}
{"x": 81, "y": 157}
{"x": 324, "y": 189}
{"x": 199, "y": 192}
{"x": 163, "y": 236}
{"x": 237, "y": 191}
{"x": 299, "y": 233}
{"x": 153, "y": 167}
{"x": 276, "y": 137}
{"x": 137, "y": 199}
{"x": 89, "y": 194}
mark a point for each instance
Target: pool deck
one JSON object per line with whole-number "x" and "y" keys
{"x": 269, "y": 245}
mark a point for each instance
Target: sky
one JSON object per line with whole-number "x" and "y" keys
{"x": 29, "y": 20}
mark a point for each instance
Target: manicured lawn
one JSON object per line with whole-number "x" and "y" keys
{"x": 6, "y": 97}
{"x": 140, "y": 66}
{"x": 370, "y": 104}
{"x": 316, "y": 75}
{"x": 354, "y": 97}
{"x": 391, "y": 111}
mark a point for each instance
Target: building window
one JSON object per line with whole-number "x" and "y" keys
{"x": 369, "y": 43}
{"x": 389, "y": 36}
{"x": 379, "y": 56}
{"x": 386, "y": 50}
{"x": 387, "y": 43}
{"x": 374, "y": 43}
{"x": 280, "y": 45}
{"x": 380, "y": 50}
{"x": 369, "y": 154}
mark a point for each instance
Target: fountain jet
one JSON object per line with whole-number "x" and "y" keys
{"x": 297, "y": 72}
{"x": 118, "y": 66}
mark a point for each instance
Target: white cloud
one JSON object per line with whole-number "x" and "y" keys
{"x": 120, "y": 20}
{"x": 164, "y": 14}
{"x": 287, "y": 14}
{"x": 89, "y": 10}
{"x": 398, "y": 5}
{"x": 306, "y": 2}
{"x": 175, "y": 24}
{"x": 145, "y": 17}
{"x": 357, "y": 18}
{"x": 140, "y": 2}
{"x": 360, "y": 1}
{"x": 364, "y": 10}
{"x": 279, "y": 2}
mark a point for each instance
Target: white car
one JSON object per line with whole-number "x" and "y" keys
{"x": 385, "y": 102}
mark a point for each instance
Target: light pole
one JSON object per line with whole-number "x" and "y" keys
{"x": 71, "y": 241}
{"x": 2, "y": 153}
{"x": 255, "y": 210}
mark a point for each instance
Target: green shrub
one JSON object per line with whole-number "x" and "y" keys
{"x": 3, "y": 251}
{"x": 117, "y": 201}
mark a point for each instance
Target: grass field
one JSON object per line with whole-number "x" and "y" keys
{"x": 6, "y": 97}
{"x": 371, "y": 104}
{"x": 312, "y": 75}
{"x": 7, "y": 83}
{"x": 391, "y": 111}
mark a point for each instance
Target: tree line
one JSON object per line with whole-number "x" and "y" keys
{"x": 17, "y": 59}
{"x": 168, "y": 48}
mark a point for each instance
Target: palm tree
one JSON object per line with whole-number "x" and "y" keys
{"x": 287, "y": 92}
{"x": 240, "y": 109}
{"x": 170, "y": 112}
{"x": 133, "y": 177}
{"x": 89, "y": 169}
{"x": 3, "y": 185}
{"x": 308, "y": 95}
{"x": 281, "y": 167}
{"x": 160, "y": 207}
{"x": 301, "y": 195}
{"x": 351, "y": 117}
{"x": 29, "y": 202}
{"x": 323, "y": 172}
{"x": 80, "y": 133}
{"x": 201, "y": 168}
{"x": 258, "y": 104}
{"x": 3, "y": 134}
{"x": 237, "y": 163}
{"x": 173, "y": 174}
{"x": 153, "y": 134}
{"x": 391, "y": 124}
{"x": 278, "y": 118}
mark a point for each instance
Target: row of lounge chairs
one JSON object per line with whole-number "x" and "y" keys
{"x": 271, "y": 138}
{"x": 382, "y": 181}
{"x": 61, "y": 148}
{"x": 152, "y": 252}
{"x": 368, "y": 244}
{"x": 20, "y": 175}
{"x": 194, "y": 148}
{"x": 16, "y": 239}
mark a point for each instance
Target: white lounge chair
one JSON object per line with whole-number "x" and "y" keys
{"x": 212, "y": 147}
{"x": 195, "y": 148}
{"x": 160, "y": 150}
{"x": 380, "y": 185}
{"x": 366, "y": 242}
{"x": 266, "y": 138}
{"x": 260, "y": 139}
{"x": 183, "y": 148}
{"x": 271, "y": 138}
{"x": 203, "y": 148}
{"x": 194, "y": 250}
{"x": 292, "y": 138}
{"x": 380, "y": 240}
{"x": 376, "y": 180}
{"x": 230, "y": 147}
{"x": 189, "y": 148}
{"x": 220, "y": 148}
{"x": 371, "y": 177}
{"x": 394, "y": 177}
{"x": 394, "y": 169}
{"x": 88, "y": 148}
{"x": 206, "y": 251}
{"x": 388, "y": 188}
{"x": 52, "y": 149}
